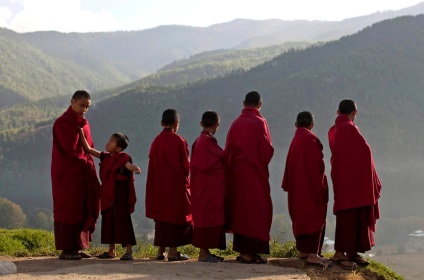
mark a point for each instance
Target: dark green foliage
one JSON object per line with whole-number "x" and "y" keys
{"x": 11, "y": 214}
{"x": 26, "y": 242}
{"x": 383, "y": 271}
{"x": 29, "y": 73}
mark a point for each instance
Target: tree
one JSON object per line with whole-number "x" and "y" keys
{"x": 11, "y": 214}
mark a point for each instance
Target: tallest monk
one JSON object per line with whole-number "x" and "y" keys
{"x": 356, "y": 189}
{"x": 74, "y": 181}
{"x": 247, "y": 153}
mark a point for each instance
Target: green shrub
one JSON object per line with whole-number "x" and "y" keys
{"x": 283, "y": 250}
{"x": 383, "y": 271}
{"x": 26, "y": 242}
{"x": 11, "y": 214}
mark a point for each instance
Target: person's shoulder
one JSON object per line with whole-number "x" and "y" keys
{"x": 182, "y": 139}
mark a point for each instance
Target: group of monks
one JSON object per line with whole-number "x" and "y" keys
{"x": 197, "y": 199}
{"x": 356, "y": 189}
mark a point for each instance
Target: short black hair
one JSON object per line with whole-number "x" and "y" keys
{"x": 252, "y": 98}
{"x": 210, "y": 118}
{"x": 347, "y": 106}
{"x": 79, "y": 94}
{"x": 304, "y": 119}
{"x": 170, "y": 116}
{"x": 121, "y": 140}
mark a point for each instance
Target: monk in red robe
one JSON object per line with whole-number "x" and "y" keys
{"x": 117, "y": 194}
{"x": 75, "y": 185}
{"x": 168, "y": 189}
{"x": 356, "y": 188}
{"x": 306, "y": 185}
{"x": 247, "y": 153}
{"x": 207, "y": 185}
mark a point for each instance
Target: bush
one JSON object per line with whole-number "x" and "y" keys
{"x": 11, "y": 214}
{"x": 26, "y": 242}
{"x": 41, "y": 219}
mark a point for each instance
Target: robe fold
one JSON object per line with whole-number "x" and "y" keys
{"x": 355, "y": 180}
{"x": 168, "y": 186}
{"x": 247, "y": 153}
{"x": 117, "y": 198}
{"x": 109, "y": 175}
{"x": 75, "y": 186}
{"x": 207, "y": 182}
{"x": 207, "y": 185}
{"x": 306, "y": 184}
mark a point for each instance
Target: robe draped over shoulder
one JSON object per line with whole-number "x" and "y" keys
{"x": 168, "y": 186}
{"x": 247, "y": 153}
{"x": 207, "y": 182}
{"x": 75, "y": 186}
{"x": 306, "y": 184}
{"x": 109, "y": 176}
{"x": 355, "y": 180}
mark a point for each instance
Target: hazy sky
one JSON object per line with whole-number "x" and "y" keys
{"x": 112, "y": 15}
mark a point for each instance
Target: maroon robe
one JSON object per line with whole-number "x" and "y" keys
{"x": 248, "y": 151}
{"x": 207, "y": 185}
{"x": 118, "y": 198}
{"x": 109, "y": 175}
{"x": 168, "y": 186}
{"x": 355, "y": 180}
{"x": 306, "y": 184}
{"x": 75, "y": 185}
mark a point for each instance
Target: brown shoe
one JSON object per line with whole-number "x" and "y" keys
{"x": 69, "y": 256}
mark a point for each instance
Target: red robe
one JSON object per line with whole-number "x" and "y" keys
{"x": 207, "y": 182}
{"x": 306, "y": 184}
{"x": 168, "y": 186}
{"x": 355, "y": 180}
{"x": 75, "y": 185}
{"x": 248, "y": 151}
{"x": 109, "y": 176}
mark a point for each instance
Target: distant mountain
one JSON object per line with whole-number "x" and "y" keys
{"x": 381, "y": 67}
{"x": 25, "y": 114}
{"x": 326, "y": 30}
{"x": 208, "y": 65}
{"x": 43, "y": 64}
{"x": 27, "y": 73}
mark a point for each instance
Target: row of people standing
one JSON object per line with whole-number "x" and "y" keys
{"x": 239, "y": 174}
{"x": 218, "y": 191}
{"x": 356, "y": 189}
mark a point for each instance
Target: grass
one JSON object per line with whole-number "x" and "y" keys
{"x": 35, "y": 242}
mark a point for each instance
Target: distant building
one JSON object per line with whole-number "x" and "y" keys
{"x": 328, "y": 245}
{"x": 415, "y": 242}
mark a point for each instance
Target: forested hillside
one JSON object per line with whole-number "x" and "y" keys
{"x": 27, "y": 115}
{"x": 45, "y": 64}
{"x": 209, "y": 65}
{"x": 381, "y": 67}
{"x": 27, "y": 73}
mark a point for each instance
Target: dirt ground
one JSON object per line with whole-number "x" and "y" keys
{"x": 48, "y": 268}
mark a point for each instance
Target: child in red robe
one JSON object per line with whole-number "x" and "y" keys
{"x": 307, "y": 190}
{"x": 207, "y": 184}
{"x": 356, "y": 189}
{"x": 247, "y": 153}
{"x": 168, "y": 189}
{"x": 117, "y": 194}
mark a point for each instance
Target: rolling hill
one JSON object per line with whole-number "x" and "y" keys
{"x": 37, "y": 65}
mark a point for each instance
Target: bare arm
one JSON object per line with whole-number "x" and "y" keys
{"x": 133, "y": 168}
{"x": 84, "y": 143}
